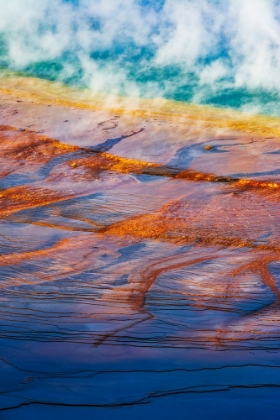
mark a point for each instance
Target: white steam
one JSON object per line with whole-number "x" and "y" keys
{"x": 225, "y": 44}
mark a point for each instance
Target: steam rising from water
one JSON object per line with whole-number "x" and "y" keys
{"x": 224, "y": 53}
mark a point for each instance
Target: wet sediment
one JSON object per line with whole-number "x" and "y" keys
{"x": 152, "y": 239}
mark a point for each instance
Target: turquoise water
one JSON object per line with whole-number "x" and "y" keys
{"x": 221, "y": 53}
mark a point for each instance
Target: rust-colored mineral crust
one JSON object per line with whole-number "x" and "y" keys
{"x": 138, "y": 229}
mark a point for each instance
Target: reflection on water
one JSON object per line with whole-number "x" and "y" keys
{"x": 139, "y": 261}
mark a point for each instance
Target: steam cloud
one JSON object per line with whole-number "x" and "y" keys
{"x": 223, "y": 52}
